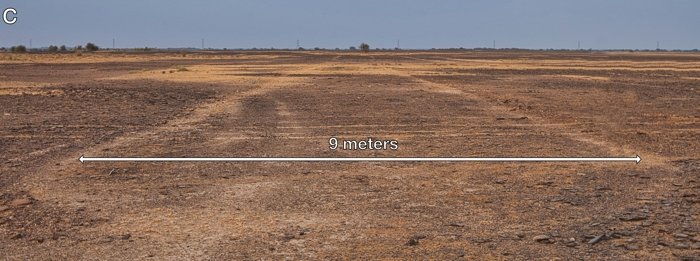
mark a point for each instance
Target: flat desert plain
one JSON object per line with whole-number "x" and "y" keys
{"x": 57, "y": 107}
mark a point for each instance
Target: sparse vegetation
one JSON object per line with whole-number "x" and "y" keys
{"x": 52, "y": 48}
{"x": 18, "y": 49}
{"x": 91, "y": 47}
{"x": 364, "y": 47}
{"x": 63, "y": 48}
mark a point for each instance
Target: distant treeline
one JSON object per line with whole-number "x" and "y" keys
{"x": 90, "y": 47}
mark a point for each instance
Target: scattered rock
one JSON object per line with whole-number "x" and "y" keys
{"x": 20, "y": 202}
{"x": 632, "y": 247}
{"x": 106, "y": 240}
{"x": 680, "y": 235}
{"x": 695, "y": 245}
{"x": 414, "y": 240}
{"x": 57, "y": 236}
{"x": 689, "y": 195}
{"x": 545, "y": 183}
{"x": 543, "y": 239}
{"x": 681, "y": 246}
{"x": 596, "y": 239}
{"x": 3, "y": 208}
{"x": 482, "y": 240}
{"x": 619, "y": 234}
{"x": 125, "y": 237}
{"x": 288, "y": 237}
{"x": 634, "y": 217}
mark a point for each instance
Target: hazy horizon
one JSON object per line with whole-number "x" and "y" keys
{"x": 546, "y": 24}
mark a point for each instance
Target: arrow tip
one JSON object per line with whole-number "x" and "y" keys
{"x": 81, "y": 158}
{"x": 639, "y": 159}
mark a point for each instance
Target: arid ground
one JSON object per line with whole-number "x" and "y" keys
{"x": 56, "y": 108}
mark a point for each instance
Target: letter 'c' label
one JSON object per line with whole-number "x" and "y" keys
{"x": 9, "y": 16}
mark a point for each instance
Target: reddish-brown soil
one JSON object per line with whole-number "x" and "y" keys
{"x": 56, "y": 108}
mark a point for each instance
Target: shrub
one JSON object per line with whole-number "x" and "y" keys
{"x": 91, "y": 47}
{"x": 18, "y": 49}
{"x": 63, "y": 48}
{"x": 53, "y": 48}
{"x": 364, "y": 47}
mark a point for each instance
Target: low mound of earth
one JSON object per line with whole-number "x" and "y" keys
{"x": 56, "y": 108}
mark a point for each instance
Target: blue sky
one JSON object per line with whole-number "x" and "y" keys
{"x": 598, "y": 24}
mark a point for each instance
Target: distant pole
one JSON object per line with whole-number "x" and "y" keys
{"x": 202, "y": 43}
{"x": 30, "y": 44}
{"x": 657, "y": 45}
{"x": 298, "y": 44}
{"x": 398, "y": 44}
{"x": 114, "y": 43}
{"x": 579, "y": 44}
{"x": 494, "y": 44}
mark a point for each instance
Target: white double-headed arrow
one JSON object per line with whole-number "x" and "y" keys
{"x": 636, "y": 159}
